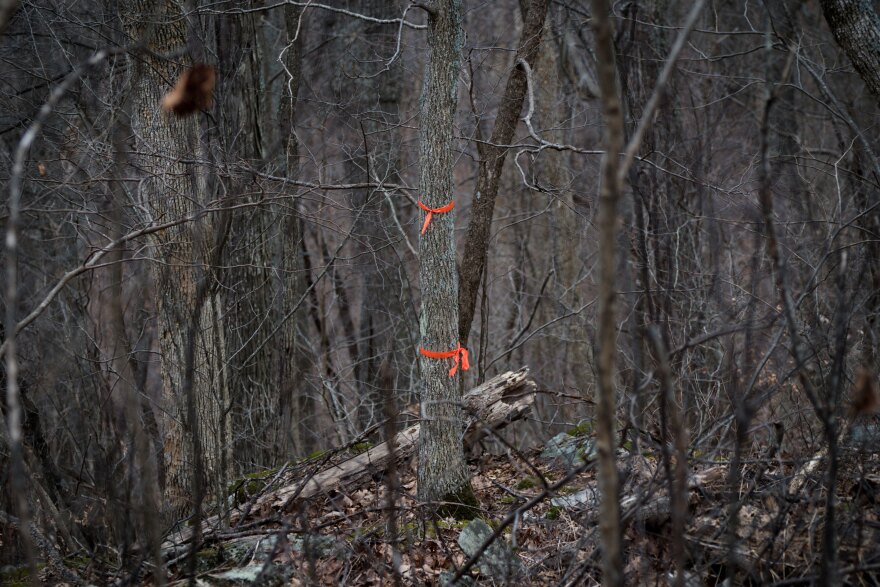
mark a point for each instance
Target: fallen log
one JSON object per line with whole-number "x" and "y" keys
{"x": 490, "y": 406}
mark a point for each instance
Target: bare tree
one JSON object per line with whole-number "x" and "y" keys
{"x": 609, "y": 195}
{"x": 172, "y": 188}
{"x": 492, "y": 156}
{"x": 443, "y": 474}
{"x": 682, "y": 248}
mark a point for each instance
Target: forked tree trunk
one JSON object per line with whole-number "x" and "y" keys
{"x": 442, "y": 472}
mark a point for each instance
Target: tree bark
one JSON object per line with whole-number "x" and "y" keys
{"x": 567, "y": 234}
{"x": 784, "y": 147}
{"x": 856, "y": 28}
{"x": 297, "y": 406}
{"x": 442, "y": 472}
{"x": 171, "y": 189}
{"x": 8, "y": 9}
{"x": 132, "y": 411}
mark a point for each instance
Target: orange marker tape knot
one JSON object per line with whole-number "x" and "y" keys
{"x": 453, "y": 354}
{"x": 431, "y": 211}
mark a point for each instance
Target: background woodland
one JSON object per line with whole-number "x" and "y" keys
{"x": 195, "y": 299}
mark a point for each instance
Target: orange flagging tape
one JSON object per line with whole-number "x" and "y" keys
{"x": 453, "y": 354}
{"x": 432, "y": 211}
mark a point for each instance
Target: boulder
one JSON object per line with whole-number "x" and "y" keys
{"x": 497, "y": 560}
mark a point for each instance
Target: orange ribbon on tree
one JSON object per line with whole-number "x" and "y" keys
{"x": 453, "y": 354}
{"x": 431, "y": 211}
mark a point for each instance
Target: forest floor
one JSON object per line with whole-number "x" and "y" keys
{"x": 350, "y": 538}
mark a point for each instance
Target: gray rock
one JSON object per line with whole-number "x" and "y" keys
{"x": 245, "y": 550}
{"x": 569, "y": 451}
{"x": 316, "y": 545}
{"x": 446, "y": 580}
{"x": 865, "y": 437}
{"x": 690, "y": 579}
{"x": 586, "y": 498}
{"x": 253, "y": 553}
{"x": 256, "y": 575}
{"x": 498, "y": 560}
{"x": 259, "y": 548}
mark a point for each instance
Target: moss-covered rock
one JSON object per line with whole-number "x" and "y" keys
{"x": 497, "y": 560}
{"x": 249, "y": 485}
{"x": 18, "y": 576}
{"x": 585, "y": 428}
{"x": 568, "y": 451}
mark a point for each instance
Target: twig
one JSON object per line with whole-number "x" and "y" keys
{"x": 18, "y": 481}
{"x": 304, "y": 5}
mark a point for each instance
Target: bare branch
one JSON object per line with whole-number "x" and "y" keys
{"x": 305, "y": 5}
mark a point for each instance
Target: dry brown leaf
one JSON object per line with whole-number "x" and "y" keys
{"x": 193, "y": 91}
{"x": 865, "y": 397}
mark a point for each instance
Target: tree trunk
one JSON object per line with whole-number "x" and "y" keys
{"x": 609, "y": 508}
{"x": 492, "y": 156}
{"x": 784, "y": 147}
{"x": 264, "y": 279}
{"x": 132, "y": 414}
{"x": 856, "y": 28}
{"x": 171, "y": 189}
{"x": 442, "y": 472}
{"x": 296, "y": 405}
{"x": 564, "y": 230}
